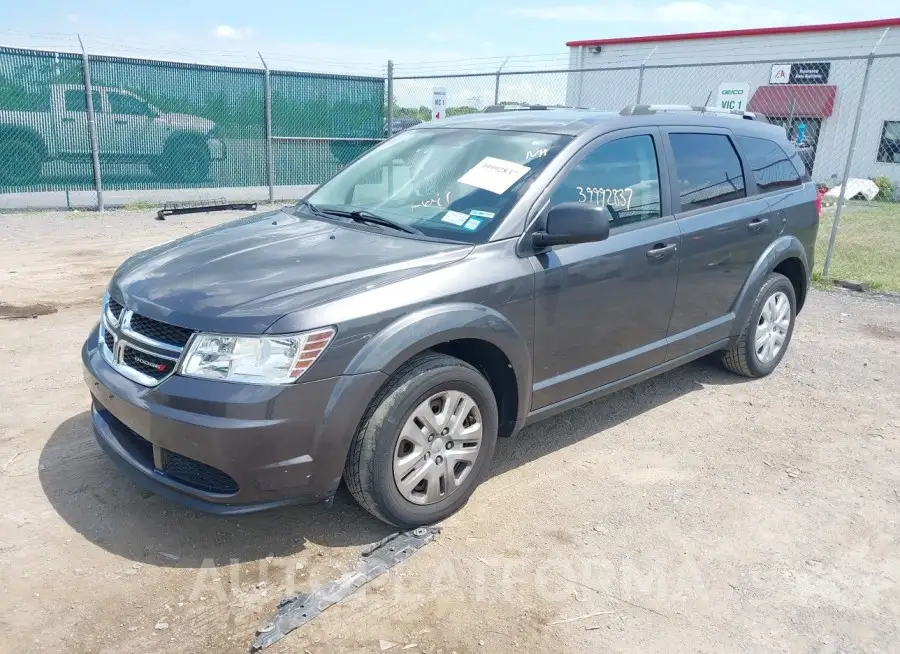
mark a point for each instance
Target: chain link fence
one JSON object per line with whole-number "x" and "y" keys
{"x": 164, "y": 125}
{"x": 843, "y": 128}
{"x": 167, "y": 125}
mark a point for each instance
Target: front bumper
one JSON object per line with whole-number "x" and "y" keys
{"x": 223, "y": 447}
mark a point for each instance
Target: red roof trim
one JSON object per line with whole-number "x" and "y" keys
{"x": 760, "y": 31}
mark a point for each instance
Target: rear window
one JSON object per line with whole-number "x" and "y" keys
{"x": 709, "y": 170}
{"x": 769, "y": 164}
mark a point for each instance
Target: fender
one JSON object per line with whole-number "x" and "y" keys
{"x": 430, "y": 326}
{"x": 784, "y": 247}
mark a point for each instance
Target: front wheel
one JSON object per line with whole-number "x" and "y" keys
{"x": 768, "y": 330}
{"x": 425, "y": 442}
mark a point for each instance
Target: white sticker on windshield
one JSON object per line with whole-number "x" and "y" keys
{"x": 494, "y": 175}
{"x": 455, "y": 218}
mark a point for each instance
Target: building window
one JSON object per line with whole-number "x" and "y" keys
{"x": 889, "y": 147}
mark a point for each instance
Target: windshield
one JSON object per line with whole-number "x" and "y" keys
{"x": 454, "y": 184}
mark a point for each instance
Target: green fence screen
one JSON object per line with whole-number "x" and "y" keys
{"x": 173, "y": 125}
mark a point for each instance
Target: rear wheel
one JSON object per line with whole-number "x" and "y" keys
{"x": 425, "y": 442}
{"x": 768, "y": 330}
{"x": 20, "y": 162}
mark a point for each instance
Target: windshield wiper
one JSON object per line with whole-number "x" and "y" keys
{"x": 364, "y": 216}
{"x": 313, "y": 208}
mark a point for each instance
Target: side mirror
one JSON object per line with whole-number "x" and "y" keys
{"x": 574, "y": 222}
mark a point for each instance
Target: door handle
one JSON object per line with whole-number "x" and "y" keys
{"x": 121, "y": 122}
{"x": 757, "y": 224}
{"x": 661, "y": 250}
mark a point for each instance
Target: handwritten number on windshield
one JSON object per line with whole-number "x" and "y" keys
{"x": 440, "y": 201}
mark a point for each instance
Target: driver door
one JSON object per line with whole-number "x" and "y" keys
{"x": 124, "y": 125}
{"x": 602, "y": 310}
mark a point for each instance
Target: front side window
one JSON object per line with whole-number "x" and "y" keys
{"x": 889, "y": 146}
{"x": 120, "y": 103}
{"x": 454, "y": 184}
{"x": 621, "y": 175}
{"x": 769, "y": 164}
{"x": 709, "y": 170}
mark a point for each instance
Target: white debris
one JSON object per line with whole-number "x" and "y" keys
{"x": 162, "y": 625}
{"x": 386, "y": 645}
{"x": 855, "y": 186}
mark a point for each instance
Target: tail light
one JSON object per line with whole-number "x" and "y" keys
{"x": 819, "y": 194}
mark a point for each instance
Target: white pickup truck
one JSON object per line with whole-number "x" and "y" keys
{"x": 176, "y": 147}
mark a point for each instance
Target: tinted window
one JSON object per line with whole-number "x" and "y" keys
{"x": 622, "y": 175}
{"x": 125, "y": 104}
{"x": 76, "y": 100}
{"x": 709, "y": 170}
{"x": 770, "y": 166}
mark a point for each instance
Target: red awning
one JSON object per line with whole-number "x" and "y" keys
{"x": 802, "y": 100}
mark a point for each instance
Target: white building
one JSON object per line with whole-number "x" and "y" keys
{"x": 808, "y": 78}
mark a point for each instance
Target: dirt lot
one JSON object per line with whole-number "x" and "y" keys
{"x": 694, "y": 512}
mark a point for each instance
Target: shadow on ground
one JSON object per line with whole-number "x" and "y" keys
{"x": 109, "y": 510}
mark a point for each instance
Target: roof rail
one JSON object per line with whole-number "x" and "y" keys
{"x": 648, "y": 109}
{"x": 498, "y": 108}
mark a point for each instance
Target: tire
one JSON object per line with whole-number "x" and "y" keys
{"x": 381, "y": 439}
{"x": 182, "y": 160}
{"x": 744, "y": 358}
{"x": 20, "y": 162}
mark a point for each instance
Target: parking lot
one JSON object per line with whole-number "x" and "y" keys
{"x": 697, "y": 511}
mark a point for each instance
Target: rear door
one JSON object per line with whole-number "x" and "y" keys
{"x": 724, "y": 231}
{"x": 602, "y": 309}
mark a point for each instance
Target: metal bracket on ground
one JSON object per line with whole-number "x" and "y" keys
{"x": 296, "y": 610}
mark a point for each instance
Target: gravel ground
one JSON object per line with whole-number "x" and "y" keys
{"x": 694, "y": 512}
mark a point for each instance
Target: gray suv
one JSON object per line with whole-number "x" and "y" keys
{"x": 463, "y": 279}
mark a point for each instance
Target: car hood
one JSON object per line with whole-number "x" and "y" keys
{"x": 242, "y": 276}
{"x": 186, "y": 122}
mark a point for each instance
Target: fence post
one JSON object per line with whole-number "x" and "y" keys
{"x": 389, "y": 119}
{"x": 640, "y": 88}
{"x": 270, "y": 155}
{"x": 826, "y": 268}
{"x": 92, "y": 125}
{"x": 389, "y": 108}
{"x": 497, "y": 83}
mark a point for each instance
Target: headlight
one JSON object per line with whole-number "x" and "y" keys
{"x": 278, "y": 359}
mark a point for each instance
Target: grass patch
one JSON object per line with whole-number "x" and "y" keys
{"x": 866, "y": 250}
{"x": 140, "y": 206}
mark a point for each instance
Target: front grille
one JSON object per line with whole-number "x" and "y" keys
{"x": 148, "y": 364}
{"x": 196, "y": 474}
{"x": 115, "y": 308}
{"x": 140, "y": 348}
{"x": 160, "y": 331}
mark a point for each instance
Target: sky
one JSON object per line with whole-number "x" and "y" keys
{"x": 359, "y": 36}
